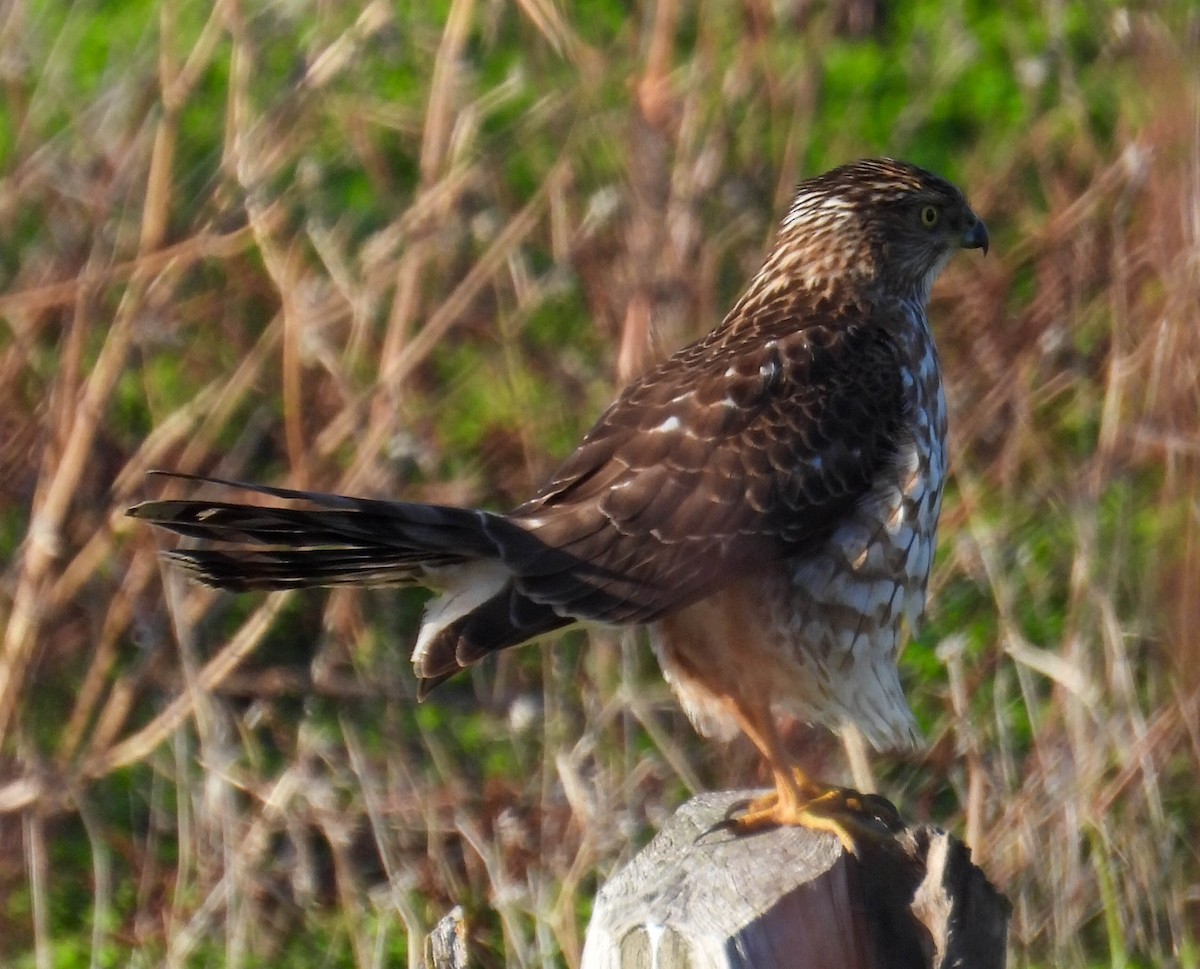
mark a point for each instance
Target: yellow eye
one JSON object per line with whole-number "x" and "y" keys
{"x": 930, "y": 216}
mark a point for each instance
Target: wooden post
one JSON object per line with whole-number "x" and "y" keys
{"x": 446, "y": 946}
{"x": 701, "y": 897}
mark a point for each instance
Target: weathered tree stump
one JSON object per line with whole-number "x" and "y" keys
{"x": 700, "y": 897}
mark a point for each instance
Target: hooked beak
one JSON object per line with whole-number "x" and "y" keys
{"x": 976, "y": 237}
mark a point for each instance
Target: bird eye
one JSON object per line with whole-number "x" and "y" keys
{"x": 930, "y": 216}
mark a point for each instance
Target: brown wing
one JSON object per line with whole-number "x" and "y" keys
{"x": 736, "y": 452}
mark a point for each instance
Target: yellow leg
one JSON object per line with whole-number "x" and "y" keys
{"x": 800, "y": 800}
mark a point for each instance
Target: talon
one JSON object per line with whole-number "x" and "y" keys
{"x": 883, "y": 811}
{"x": 855, "y": 819}
{"x": 731, "y": 813}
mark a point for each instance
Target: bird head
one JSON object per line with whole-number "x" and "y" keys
{"x": 877, "y": 221}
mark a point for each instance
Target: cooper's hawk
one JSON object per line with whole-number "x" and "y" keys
{"x": 767, "y": 498}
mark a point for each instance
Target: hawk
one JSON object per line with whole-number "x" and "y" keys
{"x": 766, "y": 500}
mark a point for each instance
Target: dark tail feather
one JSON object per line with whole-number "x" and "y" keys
{"x": 359, "y": 541}
{"x": 344, "y": 540}
{"x": 243, "y": 569}
{"x": 507, "y": 619}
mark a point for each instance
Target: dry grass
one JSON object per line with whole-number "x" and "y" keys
{"x": 327, "y": 285}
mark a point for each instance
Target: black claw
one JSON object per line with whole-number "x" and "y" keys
{"x": 880, "y": 809}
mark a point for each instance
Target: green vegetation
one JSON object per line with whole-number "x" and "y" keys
{"x": 391, "y": 250}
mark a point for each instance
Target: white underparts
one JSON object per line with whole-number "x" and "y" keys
{"x": 463, "y": 588}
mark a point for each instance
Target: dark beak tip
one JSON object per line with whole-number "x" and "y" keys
{"x": 977, "y": 237}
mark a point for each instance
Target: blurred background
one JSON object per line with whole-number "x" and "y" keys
{"x": 412, "y": 249}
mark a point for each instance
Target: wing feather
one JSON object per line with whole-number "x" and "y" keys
{"x": 738, "y": 451}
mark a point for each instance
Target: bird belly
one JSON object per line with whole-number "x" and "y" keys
{"x": 841, "y": 615}
{"x": 817, "y": 636}
{"x": 842, "y": 609}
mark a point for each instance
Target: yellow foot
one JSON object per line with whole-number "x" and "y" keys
{"x": 854, "y": 818}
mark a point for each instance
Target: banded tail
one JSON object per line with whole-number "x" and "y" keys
{"x": 468, "y": 555}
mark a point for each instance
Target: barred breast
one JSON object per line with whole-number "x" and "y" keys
{"x": 817, "y": 636}
{"x": 841, "y": 611}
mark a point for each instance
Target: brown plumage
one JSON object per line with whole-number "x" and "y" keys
{"x": 767, "y": 498}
